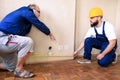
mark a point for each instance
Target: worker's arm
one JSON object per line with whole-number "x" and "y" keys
{"x": 111, "y": 45}
{"x": 79, "y": 48}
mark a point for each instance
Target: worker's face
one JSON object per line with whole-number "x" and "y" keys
{"x": 36, "y": 11}
{"x": 94, "y": 21}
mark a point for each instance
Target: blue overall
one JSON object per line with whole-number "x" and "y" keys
{"x": 100, "y": 42}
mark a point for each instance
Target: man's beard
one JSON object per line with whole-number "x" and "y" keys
{"x": 94, "y": 24}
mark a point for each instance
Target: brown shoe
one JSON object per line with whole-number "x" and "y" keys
{"x": 84, "y": 61}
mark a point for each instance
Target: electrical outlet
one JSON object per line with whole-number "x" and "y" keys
{"x": 66, "y": 47}
{"x": 60, "y": 47}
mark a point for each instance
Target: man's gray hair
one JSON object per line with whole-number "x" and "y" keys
{"x": 32, "y": 6}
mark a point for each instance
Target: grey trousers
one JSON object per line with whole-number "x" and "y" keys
{"x": 18, "y": 47}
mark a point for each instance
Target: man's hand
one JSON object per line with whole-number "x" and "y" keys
{"x": 75, "y": 54}
{"x": 100, "y": 56}
{"x": 52, "y": 37}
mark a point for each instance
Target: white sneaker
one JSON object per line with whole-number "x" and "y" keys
{"x": 114, "y": 62}
{"x": 84, "y": 61}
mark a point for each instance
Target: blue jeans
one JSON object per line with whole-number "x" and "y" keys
{"x": 95, "y": 43}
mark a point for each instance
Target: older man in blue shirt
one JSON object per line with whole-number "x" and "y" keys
{"x": 14, "y": 46}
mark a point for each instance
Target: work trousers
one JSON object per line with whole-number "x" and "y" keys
{"x": 95, "y": 43}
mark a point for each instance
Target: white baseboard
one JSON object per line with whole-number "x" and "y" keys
{"x": 37, "y": 58}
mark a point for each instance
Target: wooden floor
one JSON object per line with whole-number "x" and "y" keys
{"x": 69, "y": 70}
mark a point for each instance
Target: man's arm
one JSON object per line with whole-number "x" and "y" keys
{"x": 79, "y": 48}
{"x": 36, "y": 22}
{"x": 40, "y": 25}
{"x": 111, "y": 45}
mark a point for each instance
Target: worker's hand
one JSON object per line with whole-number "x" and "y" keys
{"x": 52, "y": 37}
{"x": 75, "y": 54}
{"x": 100, "y": 56}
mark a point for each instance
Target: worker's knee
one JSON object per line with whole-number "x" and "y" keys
{"x": 103, "y": 63}
{"x": 88, "y": 40}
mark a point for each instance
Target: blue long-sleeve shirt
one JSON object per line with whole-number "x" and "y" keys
{"x": 19, "y": 22}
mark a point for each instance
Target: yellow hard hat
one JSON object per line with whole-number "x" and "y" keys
{"x": 96, "y": 11}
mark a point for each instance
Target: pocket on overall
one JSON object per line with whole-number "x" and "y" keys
{"x": 102, "y": 38}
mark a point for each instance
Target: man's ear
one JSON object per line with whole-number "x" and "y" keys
{"x": 99, "y": 18}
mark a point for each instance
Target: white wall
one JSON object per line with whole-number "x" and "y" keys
{"x": 118, "y": 23}
{"x": 68, "y": 21}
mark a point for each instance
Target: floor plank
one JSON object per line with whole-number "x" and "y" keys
{"x": 69, "y": 70}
